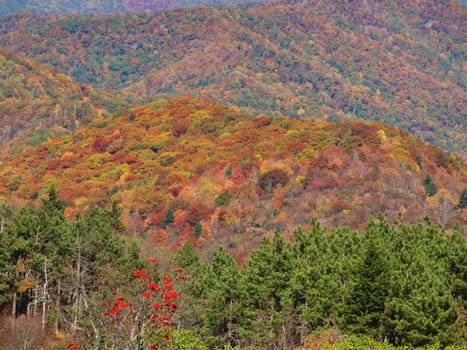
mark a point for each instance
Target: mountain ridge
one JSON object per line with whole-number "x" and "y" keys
{"x": 39, "y": 103}
{"x": 191, "y": 170}
{"x": 89, "y": 6}
{"x": 397, "y": 62}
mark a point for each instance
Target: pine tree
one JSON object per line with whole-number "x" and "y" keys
{"x": 219, "y": 293}
{"x": 169, "y": 218}
{"x": 265, "y": 280}
{"x": 198, "y": 229}
{"x": 430, "y": 187}
{"x": 462, "y": 200}
{"x": 366, "y": 300}
{"x": 186, "y": 256}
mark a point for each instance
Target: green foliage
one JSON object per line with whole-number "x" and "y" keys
{"x": 399, "y": 284}
{"x": 59, "y": 264}
{"x": 186, "y": 256}
{"x": 182, "y": 339}
{"x": 359, "y": 342}
{"x": 223, "y": 199}
{"x": 169, "y": 218}
{"x": 462, "y": 200}
{"x": 430, "y": 187}
{"x": 403, "y": 284}
{"x": 365, "y": 303}
{"x": 198, "y": 229}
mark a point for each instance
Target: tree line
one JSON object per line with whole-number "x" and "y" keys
{"x": 399, "y": 284}
{"x": 393, "y": 284}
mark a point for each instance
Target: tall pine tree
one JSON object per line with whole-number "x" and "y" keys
{"x": 366, "y": 300}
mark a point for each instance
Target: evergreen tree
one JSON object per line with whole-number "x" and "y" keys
{"x": 169, "y": 218}
{"x": 462, "y": 200}
{"x": 186, "y": 256}
{"x": 217, "y": 290}
{"x": 198, "y": 229}
{"x": 265, "y": 279}
{"x": 421, "y": 308}
{"x": 367, "y": 297}
{"x": 430, "y": 187}
{"x": 315, "y": 280}
{"x": 6, "y": 263}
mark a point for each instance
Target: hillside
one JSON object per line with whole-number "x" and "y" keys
{"x": 187, "y": 169}
{"x": 90, "y": 6}
{"x": 401, "y": 62}
{"x": 38, "y": 103}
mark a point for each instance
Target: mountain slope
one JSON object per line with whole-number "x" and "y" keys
{"x": 90, "y": 6}
{"x": 402, "y": 62}
{"x": 38, "y": 103}
{"x": 187, "y": 169}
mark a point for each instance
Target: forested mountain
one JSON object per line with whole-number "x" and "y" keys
{"x": 282, "y": 207}
{"x": 192, "y": 170}
{"x": 38, "y": 103}
{"x": 105, "y": 6}
{"x": 401, "y": 62}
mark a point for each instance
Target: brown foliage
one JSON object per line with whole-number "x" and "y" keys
{"x": 272, "y": 179}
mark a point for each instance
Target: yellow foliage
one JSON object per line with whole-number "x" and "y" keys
{"x": 80, "y": 202}
{"x": 307, "y": 153}
{"x": 25, "y": 285}
{"x": 442, "y": 195}
{"x": 125, "y": 176}
{"x": 293, "y": 135}
{"x": 402, "y": 154}
{"x": 299, "y": 179}
{"x": 116, "y": 172}
{"x": 57, "y": 147}
{"x": 382, "y": 135}
{"x": 208, "y": 190}
{"x": 96, "y": 160}
{"x": 319, "y": 139}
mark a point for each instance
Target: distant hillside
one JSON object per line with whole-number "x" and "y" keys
{"x": 187, "y": 169}
{"x": 402, "y": 62}
{"x": 38, "y": 103}
{"x": 104, "y": 6}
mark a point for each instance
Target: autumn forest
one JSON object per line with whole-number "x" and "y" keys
{"x": 233, "y": 175}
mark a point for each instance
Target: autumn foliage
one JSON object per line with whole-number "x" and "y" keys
{"x": 331, "y": 59}
{"x": 242, "y": 175}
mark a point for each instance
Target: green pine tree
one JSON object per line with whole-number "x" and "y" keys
{"x": 169, "y": 218}
{"x": 198, "y": 229}
{"x": 462, "y": 200}
{"x": 366, "y": 301}
{"x": 430, "y": 187}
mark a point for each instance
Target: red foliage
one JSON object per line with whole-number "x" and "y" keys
{"x": 157, "y": 305}
{"x": 53, "y": 164}
{"x": 174, "y": 191}
{"x": 179, "y": 128}
{"x": 197, "y": 211}
{"x": 263, "y": 121}
{"x": 98, "y": 144}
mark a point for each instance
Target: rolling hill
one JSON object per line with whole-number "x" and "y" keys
{"x": 401, "y": 62}
{"x": 38, "y": 103}
{"x": 105, "y": 6}
{"x": 187, "y": 169}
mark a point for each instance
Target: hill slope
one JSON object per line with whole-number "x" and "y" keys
{"x": 89, "y": 6}
{"x": 38, "y": 103}
{"x": 402, "y": 62}
{"x": 186, "y": 169}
